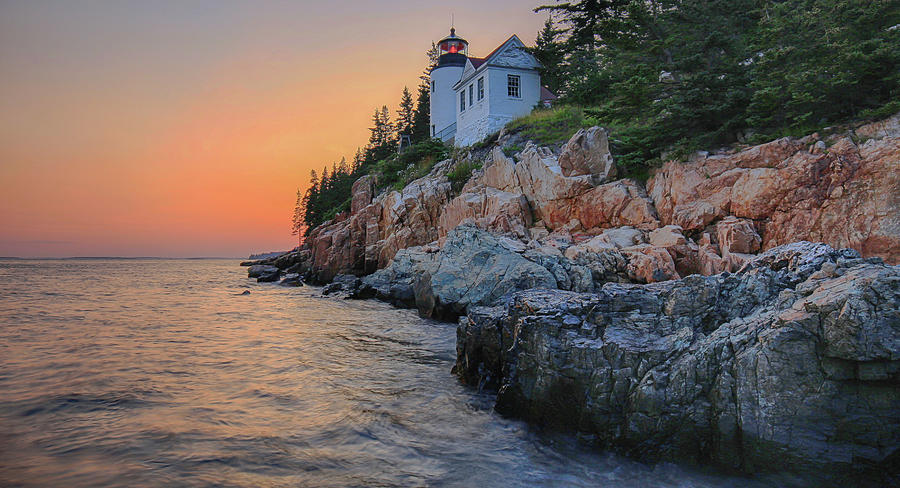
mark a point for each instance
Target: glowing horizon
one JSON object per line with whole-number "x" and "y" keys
{"x": 185, "y": 129}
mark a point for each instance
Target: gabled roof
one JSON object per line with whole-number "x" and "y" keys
{"x": 547, "y": 95}
{"x": 501, "y": 45}
{"x": 479, "y": 63}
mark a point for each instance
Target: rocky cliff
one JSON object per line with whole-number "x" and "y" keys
{"x": 680, "y": 318}
{"x": 702, "y": 216}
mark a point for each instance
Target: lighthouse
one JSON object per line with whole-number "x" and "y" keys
{"x": 453, "y": 54}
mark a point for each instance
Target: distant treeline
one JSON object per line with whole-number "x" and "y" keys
{"x": 680, "y": 75}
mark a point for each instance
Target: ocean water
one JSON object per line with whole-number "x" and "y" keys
{"x": 163, "y": 373}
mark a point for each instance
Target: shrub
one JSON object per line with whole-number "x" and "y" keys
{"x": 459, "y": 175}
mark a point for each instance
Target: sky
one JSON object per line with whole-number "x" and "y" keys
{"x": 183, "y": 128}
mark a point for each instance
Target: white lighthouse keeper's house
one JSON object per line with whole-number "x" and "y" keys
{"x": 472, "y": 98}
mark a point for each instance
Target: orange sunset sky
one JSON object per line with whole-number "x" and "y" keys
{"x": 185, "y": 127}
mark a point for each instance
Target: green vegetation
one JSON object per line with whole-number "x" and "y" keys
{"x": 554, "y": 125}
{"x": 415, "y": 162}
{"x": 512, "y": 149}
{"x": 459, "y": 175}
{"x": 672, "y": 76}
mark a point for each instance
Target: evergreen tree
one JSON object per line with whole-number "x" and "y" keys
{"x": 668, "y": 73}
{"x": 387, "y": 127}
{"x": 298, "y": 219}
{"x": 381, "y": 141}
{"x": 432, "y": 54}
{"x": 357, "y": 161}
{"x": 816, "y": 62}
{"x": 311, "y": 199}
{"x": 550, "y": 52}
{"x": 421, "y": 124}
{"x": 405, "y": 114}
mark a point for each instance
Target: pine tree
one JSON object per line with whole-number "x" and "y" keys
{"x": 311, "y": 199}
{"x": 822, "y": 61}
{"x": 375, "y": 130}
{"x": 432, "y": 54}
{"x": 387, "y": 127}
{"x": 298, "y": 220}
{"x": 405, "y": 113}
{"x": 381, "y": 140}
{"x": 357, "y": 161}
{"x": 421, "y": 125}
{"x": 551, "y": 53}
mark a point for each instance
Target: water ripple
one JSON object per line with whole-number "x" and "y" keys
{"x": 160, "y": 373}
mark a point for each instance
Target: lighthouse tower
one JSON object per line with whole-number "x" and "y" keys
{"x": 451, "y": 62}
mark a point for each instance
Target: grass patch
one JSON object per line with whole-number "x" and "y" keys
{"x": 547, "y": 126}
{"x": 508, "y": 151}
{"x": 459, "y": 175}
{"x": 486, "y": 142}
{"x": 415, "y": 162}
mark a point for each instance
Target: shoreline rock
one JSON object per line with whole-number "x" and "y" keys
{"x": 791, "y": 364}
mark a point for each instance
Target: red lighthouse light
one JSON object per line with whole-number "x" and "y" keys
{"x": 452, "y": 47}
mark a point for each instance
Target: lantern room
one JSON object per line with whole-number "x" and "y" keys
{"x": 453, "y": 50}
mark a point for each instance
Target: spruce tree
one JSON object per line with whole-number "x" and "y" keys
{"x": 550, "y": 52}
{"x": 817, "y": 62}
{"x": 298, "y": 219}
{"x": 405, "y": 114}
{"x": 421, "y": 126}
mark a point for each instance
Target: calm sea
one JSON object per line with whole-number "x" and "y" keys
{"x": 163, "y": 373}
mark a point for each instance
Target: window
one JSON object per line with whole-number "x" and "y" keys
{"x": 462, "y": 101}
{"x": 481, "y": 88}
{"x": 512, "y": 86}
{"x": 471, "y": 97}
{"x": 432, "y": 87}
{"x": 433, "y": 132}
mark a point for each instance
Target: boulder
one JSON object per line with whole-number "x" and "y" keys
{"x": 668, "y": 236}
{"x": 263, "y": 272}
{"x": 710, "y": 262}
{"x": 361, "y": 193}
{"x": 291, "y": 279}
{"x": 550, "y": 193}
{"x": 344, "y": 284}
{"x": 475, "y": 268}
{"x": 587, "y": 153}
{"x": 595, "y": 245}
{"x": 622, "y": 237}
{"x": 649, "y": 264}
{"x": 616, "y": 204}
{"x": 472, "y": 268}
{"x": 487, "y": 208}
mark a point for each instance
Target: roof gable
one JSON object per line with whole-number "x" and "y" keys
{"x": 511, "y": 54}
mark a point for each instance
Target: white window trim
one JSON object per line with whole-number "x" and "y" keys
{"x": 518, "y": 86}
{"x": 462, "y": 101}
{"x": 480, "y": 88}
